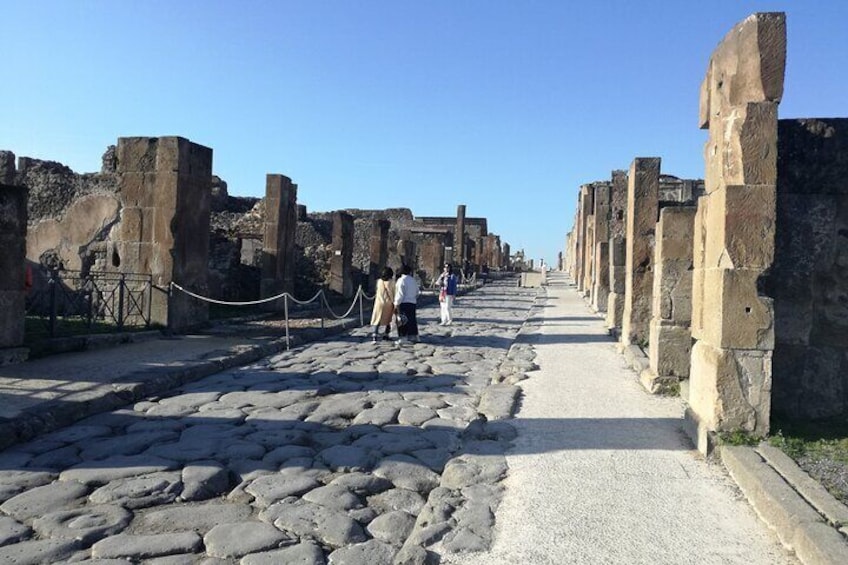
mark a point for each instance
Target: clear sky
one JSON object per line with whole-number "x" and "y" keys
{"x": 505, "y": 106}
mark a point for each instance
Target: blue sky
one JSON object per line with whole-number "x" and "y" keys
{"x": 505, "y": 106}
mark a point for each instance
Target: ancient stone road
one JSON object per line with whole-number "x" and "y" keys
{"x": 342, "y": 451}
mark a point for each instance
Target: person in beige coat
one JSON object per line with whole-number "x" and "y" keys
{"x": 384, "y": 307}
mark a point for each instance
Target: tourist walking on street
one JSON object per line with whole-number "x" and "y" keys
{"x": 406, "y": 298}
{"x": 384, "y": 306}
{"x": 447, "y": 282}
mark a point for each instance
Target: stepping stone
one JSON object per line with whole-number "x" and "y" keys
{"x": 41, "y": 500}
{"x": 138, "y": 547}
{"x": 87, "y": 524}
{"x": 236, "y": 540}
{"x": 304, "y": 553}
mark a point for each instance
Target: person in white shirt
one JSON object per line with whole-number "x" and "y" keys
{"x": 406, "y": 299}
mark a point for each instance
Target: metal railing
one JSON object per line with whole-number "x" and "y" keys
{"x": 70, "y": 301}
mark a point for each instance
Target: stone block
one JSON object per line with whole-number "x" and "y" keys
{"x": 730, "y": 389}
{"x": 734, "y": 314}
{"x": 740, "y": 221}
{"x": 669, "y": 350}
{"x": 136, "y": 154}
{"x": 615, "y": 309}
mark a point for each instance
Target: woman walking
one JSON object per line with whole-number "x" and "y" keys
{"x": 384, "y": 306}
{"x": 447, "y": 294}
{"x": 406, "y": 299}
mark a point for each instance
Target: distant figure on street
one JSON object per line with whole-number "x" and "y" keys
{"x": 384, "y": 307}
{"x": 406, "y": 299}
{"x": 448, "y": 283}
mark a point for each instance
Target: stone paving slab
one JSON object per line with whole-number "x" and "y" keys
{"x": 331, "y": 452}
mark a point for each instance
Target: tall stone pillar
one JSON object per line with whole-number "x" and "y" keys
{"x": 164, "y": 185}
{"x": 584, "y": 209}
{"x": 13, "y": 231}
{"x": 670, "y": 343}
{"x": 600, "y": 267}
{"x": 589, "y": 256}
{"x": 406, "y": 251}
{"x": 378, "y": 246}
{"x": 459, "y": 253}
{"x": 279, "y": 236}
{"x": 642, "y": 214}
{"x": 617, "y": 254}
{"x": 341, "y": 280}
{"x": 507, "y": 262}
{"x": 733, "y": 324}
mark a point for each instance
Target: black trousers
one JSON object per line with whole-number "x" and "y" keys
{"x": 411, "y": 326}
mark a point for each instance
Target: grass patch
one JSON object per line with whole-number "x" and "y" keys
{"x": 822, "y": 439}
{"x": 737, "y": 437}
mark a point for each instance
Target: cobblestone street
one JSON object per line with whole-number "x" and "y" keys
{"x": 342, "y": 451}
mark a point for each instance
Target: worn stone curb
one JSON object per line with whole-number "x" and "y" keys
{"x": 799, "y": 526}
{"x": 51, "y": 416}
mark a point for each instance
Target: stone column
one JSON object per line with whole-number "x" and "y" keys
{"x": 13, "y": 232}
{"x": 378, "y": 246}
{"x": 600, "y": 266}
{"x": 642, "y": 214}
{"x": 617, "y": 263}
{"x": 279, "y": 236}
{"x": 733, "y": 324}
{"x": 341, "y": 280}
{"x": 589, "y": 256}
{"x": 670, "y": 341}
{"x": 507, "y": 262}
{"x": 459, "y": 254}
{"x": 165, "y": 188}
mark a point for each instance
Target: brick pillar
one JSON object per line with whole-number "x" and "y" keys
{"x": 279, "y": 236}
{"x": 671, "y": 311}
{"x": 165, "y": 188}
{"x": 733, "y": 325}
{"x": 341, "y": 280}
{"x": 617, "y": 264}
{"x": 589, "y": 256}
{"x": 13, "y": 231}
{"x": 378, "y": 247}
{"x": 642, "y": 209}
{"x": 459, "y": 252}
{"x": 507, "y": 262}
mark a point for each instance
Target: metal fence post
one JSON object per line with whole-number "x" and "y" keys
{"x": 121, "y": 287}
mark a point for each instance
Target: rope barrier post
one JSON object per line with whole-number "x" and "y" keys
{"x": 323, "y": 300}
{"x": 286, "y": 313}
{"x": 361, "y": 311}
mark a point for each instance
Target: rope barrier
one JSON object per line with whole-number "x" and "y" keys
{"x": 349, "y": 310}
{"x": 227, "y": 303}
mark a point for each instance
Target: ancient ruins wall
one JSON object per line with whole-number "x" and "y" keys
{"x": 13, "y": 229}
{"x": 341, "y": 280}
{"x": 642, "y": 215}
{"x": 279, "y": 237}
{"x": 809, "y": 278}
{"x": 670, "y": 341}
{"x": 733, "y": 323}
{"x": 164, "y": 186}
